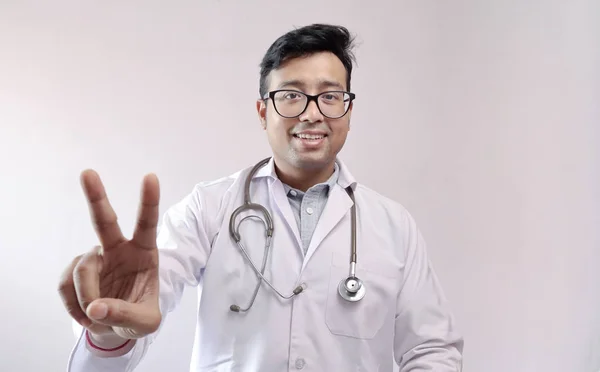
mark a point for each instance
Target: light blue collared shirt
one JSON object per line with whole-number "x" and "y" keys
{"x": 308, "y": 206}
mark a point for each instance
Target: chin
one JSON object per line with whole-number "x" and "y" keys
{"x": 309, "y": 161}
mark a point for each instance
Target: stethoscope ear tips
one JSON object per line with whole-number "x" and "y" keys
{"x": 351, "y": 289}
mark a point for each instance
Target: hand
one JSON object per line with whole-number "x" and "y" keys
{"x": 113, "y": 288}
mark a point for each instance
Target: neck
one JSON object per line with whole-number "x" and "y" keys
{"x": 303, "y": 179}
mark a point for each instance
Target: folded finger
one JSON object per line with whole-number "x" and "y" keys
{"x": 68, "y": 295}
{"x": 86, "y": 280}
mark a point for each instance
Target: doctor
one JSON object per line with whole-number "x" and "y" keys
{"x": 316, "y": 272}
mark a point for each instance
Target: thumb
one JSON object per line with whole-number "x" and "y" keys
{"x": 136, "y": 319}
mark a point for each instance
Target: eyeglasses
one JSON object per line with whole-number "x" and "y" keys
{"x": 292, "y": 103}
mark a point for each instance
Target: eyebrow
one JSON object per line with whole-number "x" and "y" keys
{"x": 321, "y": 83}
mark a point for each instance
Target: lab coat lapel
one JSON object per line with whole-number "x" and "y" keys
{"x": 283, "y": 205}
{"x": 338, "y": 205}
{"x": 277, "y": 193}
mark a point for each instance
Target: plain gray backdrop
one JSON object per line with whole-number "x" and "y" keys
{"x": 481, "y": 117}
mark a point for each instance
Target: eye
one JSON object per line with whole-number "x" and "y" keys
{"x": 331, "y": 97}
{"x": 291, "y": 96}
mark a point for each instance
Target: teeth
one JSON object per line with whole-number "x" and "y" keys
{"x": 310, "y": 136}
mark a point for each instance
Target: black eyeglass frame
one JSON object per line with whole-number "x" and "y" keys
{"x": 310, "y": 98}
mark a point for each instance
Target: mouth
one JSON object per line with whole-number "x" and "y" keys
{"x": 310, "y": 141}
{"x": 310, "y": 137}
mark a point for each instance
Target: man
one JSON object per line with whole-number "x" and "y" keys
{"x": 311, "y": 311}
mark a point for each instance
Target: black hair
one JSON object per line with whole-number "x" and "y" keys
{"x": 305, "y": 41}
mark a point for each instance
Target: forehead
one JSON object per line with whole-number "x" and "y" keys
{"x": 310, "y": 73}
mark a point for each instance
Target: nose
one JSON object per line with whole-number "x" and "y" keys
{"x": 312, "y": 113}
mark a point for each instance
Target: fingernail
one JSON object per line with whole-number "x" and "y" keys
{"x": 98, "y": 311}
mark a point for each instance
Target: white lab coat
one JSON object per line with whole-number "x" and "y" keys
{"x": 403, "y": 316}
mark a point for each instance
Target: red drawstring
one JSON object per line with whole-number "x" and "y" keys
{"x": 89, "y": 340}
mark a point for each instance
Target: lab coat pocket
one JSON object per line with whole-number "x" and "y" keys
{"x": 364, "y": 318}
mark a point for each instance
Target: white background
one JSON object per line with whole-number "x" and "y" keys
{"x": 481, "y": 117}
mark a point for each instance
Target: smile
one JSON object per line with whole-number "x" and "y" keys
{"x": 310, "y": 136}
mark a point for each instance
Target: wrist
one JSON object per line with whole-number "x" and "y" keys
{"x": 108, "y": 345}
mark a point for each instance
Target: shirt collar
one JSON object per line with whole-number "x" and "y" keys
{"x": 326, "y": 186}
{"x": 341, "y": 175}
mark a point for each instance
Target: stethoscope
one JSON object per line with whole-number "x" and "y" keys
{"x": 350, "y": 289}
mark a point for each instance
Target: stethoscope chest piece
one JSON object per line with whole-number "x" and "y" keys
{"x": 351, "y": 289}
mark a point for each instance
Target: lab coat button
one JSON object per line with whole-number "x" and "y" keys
{"x": 300, "y": 363}
{"x": 309, "y": 210}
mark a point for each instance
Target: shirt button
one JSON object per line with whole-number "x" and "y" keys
{"x": 293, "y": 193}
{"x": 309, "y": 210}
{"x": 300, "y": 363}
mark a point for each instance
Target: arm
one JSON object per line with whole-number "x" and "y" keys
{"x": 426, "y": 337}
{"x": 184, "y": 246}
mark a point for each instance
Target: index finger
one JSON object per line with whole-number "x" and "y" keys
{"x": 103, "y": 215}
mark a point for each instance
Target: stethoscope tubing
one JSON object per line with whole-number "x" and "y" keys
{"x": 351, "y": 288}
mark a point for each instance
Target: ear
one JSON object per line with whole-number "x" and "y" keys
{"x": 349, "y": 114}
{"x": 261, "y": 109}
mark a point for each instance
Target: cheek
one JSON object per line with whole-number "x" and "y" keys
{"x": 340, "y": 129}
{"x": 279, "y": 126}
{"x": 278, "y": 132}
